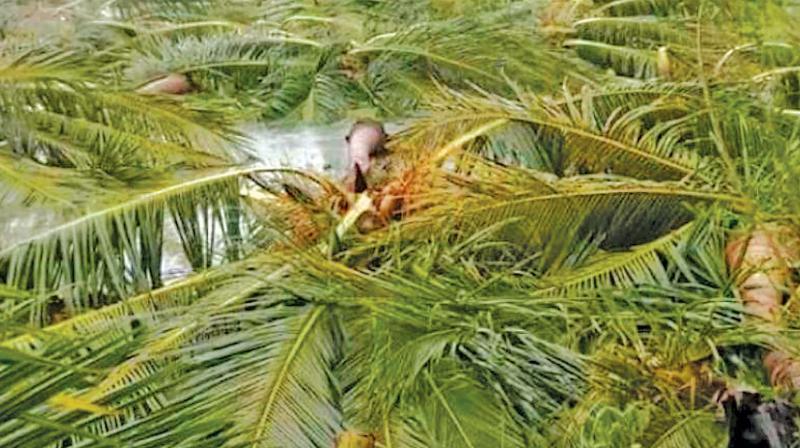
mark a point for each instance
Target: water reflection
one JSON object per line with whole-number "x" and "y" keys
{"x": 318, "y": 149}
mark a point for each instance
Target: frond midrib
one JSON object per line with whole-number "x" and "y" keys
{"x": 283, "y": 373}
{"x": 152, "y": 196}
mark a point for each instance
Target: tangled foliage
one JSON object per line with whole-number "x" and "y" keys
{"x": 555, "y": 275}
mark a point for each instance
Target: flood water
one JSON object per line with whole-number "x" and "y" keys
{"x": 319, "y": 149}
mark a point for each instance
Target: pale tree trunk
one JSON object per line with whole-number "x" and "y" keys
{"x": 763, "y": 261}
{"x": 172, "y": 84}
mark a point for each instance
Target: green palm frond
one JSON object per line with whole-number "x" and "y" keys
{"x": 628, "y": 44}
{"x": 642, "y": 7}
{"x": 265, "y": 376}
{"x": 165, "y": 10}
{"x": 579, "y": 136}
{"x": 697, "y": 429}
{"x": 560, "y": 373}
{"x": 643, "y": 29}
{"x": 34, "y": 407}
{"x": 25, "y": 181}
{"x": 455, "y": 57}
{"x": 316, "y": 90}
{"x": 639, "y": 265}
{"x": 158, "y": 7}
{"x": 134, "y": 389}
{"x": 255, "y": 51}
{"x": 148, "y": 308}
{"x": 458, "y": 413}
{"x": 614, "y": 315}
{"x": 626, "y": 61}
{"x": 59, "y": 115}
{"x": 602, "y": 424}
{"x": 394, "y": 352}
{"x": 623, "y": 212}
{"x": 626, "y": 140}
{"x": 658, "y": 262}
{"x": 116, "y": 249}
{"x": 14, "y": 302}
{"x": 275, "y": 409}
{"x": 56, "y": 409}
{"x": 198, "y": 320}
{"x": 408, "y": 44}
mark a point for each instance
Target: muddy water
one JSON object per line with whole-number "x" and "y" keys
{"x": 319, "y": 149}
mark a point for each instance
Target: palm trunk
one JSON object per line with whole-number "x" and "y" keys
{"x": 763, "y": 262}
{"x": 172, "y": 84}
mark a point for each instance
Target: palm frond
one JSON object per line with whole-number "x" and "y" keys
{"x": 33, "y": 384}
{"x": 641, "y": 7}
{"x": 58, "y": 115}
{"x": 459, "y": 414}
{"x": 578, "y": 135}
{"x": 27, "y": 182}
{"x": 626, "y": 61}
{"x": 697, "y": 429}
{"x": 147, "y": 309}
{"x": 455, "y": 57}
{"x": 658, "y": 262}
{"x": 314, "y": 91}
{"x": 289, "y": 401}
{"x": 116, "y": 249}
{"x": 639, "y": 29}
{"x": 211, "y": 56}
{"x": 620, "y": 212}
{"x": 165, "y": 10}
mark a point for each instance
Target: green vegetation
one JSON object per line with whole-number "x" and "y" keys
{"x": 558, "y": 277}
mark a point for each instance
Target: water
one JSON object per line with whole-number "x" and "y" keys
{"x": 319, "y": 149}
